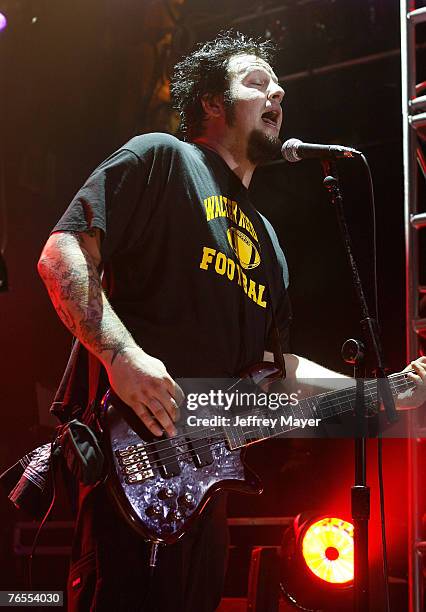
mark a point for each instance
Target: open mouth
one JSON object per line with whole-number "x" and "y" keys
{"x": 271, "y": 118}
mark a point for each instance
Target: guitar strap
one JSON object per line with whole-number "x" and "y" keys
{"x": 60, "y": 406}
{"x": 277, "y": 345}
{"x": 276, "y": 339}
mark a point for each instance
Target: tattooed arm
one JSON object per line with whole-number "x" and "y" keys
{"x": 69, "y": 268}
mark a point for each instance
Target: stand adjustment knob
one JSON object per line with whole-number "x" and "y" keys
{"x": 353, "y": 351}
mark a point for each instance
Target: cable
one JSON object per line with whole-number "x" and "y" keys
{"x": 169, "y": 10}
{"x": 373, "y": 214}
{"x": 379, "y": 438}
{"x": 293, "y": 601}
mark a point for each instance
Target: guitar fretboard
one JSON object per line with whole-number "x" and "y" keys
{"x": 259, "y": 423}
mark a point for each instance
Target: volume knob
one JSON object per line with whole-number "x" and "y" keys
{"x": 174, "y": 515}
{"x": 166, "y": 493}
{"x": 187, "y": 500}
{"x": 154, "y": 511}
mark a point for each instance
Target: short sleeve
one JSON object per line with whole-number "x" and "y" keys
{"x": 109, "y": 200}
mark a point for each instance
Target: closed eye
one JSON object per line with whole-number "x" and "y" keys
{"x": 258, "y": 78}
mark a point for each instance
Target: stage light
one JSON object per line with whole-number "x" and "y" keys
{"x": 3, "y": 21}
{"x": 328, "y": 550}
{"x": 317, "y": 562}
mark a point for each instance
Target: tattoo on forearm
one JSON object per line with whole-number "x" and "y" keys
{"x": 75, "y": 289}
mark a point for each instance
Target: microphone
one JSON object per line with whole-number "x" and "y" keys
{"x": 294, "y": 150}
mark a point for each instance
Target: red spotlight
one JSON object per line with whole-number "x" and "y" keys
{"x": 328, "y": 550}
{"x": 317, "y": 562}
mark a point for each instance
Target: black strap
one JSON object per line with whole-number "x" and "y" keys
{"x": 276, "y": 340}
{"x": 277, "y": 345}
{"x": 57, "y": 407}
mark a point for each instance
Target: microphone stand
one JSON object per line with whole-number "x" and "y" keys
{"x": 353, "y": 352}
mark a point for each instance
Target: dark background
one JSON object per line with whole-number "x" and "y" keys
{"x": 75, "y": 85}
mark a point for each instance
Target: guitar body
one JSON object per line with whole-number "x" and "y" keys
{"x": 162, "y": 486}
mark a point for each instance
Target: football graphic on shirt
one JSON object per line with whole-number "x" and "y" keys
{"x": 243, "y": 247}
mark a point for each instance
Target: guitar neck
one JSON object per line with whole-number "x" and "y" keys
{"x": 262, "y": 423}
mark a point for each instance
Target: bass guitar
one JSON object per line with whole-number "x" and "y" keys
{"x": 161, "y": 485}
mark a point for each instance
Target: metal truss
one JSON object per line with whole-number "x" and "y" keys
{"x": 414, "y": 124}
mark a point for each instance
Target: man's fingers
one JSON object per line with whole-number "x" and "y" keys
{"x": 179, "y": 395}
{"x": 420, "y": 368}
{"x": 147, "y": 419}
{"x": 175, "y": 391}
{"x": 161, "y": 415}
{"x": 169, "y": 403}
{"x": 419, "y": 365}
{"x": 177, "y": 410}
{"x": 415, "y": 378}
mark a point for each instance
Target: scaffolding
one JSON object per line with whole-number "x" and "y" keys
{"x": 414, "y": 124}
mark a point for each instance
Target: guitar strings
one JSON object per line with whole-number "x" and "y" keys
{"x": 241, "y": 435}
{"x": 323, "y": 403}
{"x": 259, "y": 411}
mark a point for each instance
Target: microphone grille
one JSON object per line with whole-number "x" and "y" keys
{"x": 289, "y": 150}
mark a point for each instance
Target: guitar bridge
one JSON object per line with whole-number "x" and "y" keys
{"x": 134, "y": 463}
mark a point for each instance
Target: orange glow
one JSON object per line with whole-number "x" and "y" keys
{"x": 328, "y": 550}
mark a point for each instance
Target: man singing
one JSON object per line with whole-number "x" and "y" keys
{"x": 194, "y": 272}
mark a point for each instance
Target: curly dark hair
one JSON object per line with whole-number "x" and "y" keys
{"x": 205, "y": 71}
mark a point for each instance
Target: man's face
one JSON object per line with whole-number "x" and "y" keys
{"x": 254, "y": 113}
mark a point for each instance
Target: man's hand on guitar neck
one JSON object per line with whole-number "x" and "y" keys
{"x": 300, "y": 371}
{"x": 414, "y": 397}
{"x": 69, "y": 268}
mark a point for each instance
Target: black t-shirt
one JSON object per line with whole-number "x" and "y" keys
{"x": 187, "y": 254}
